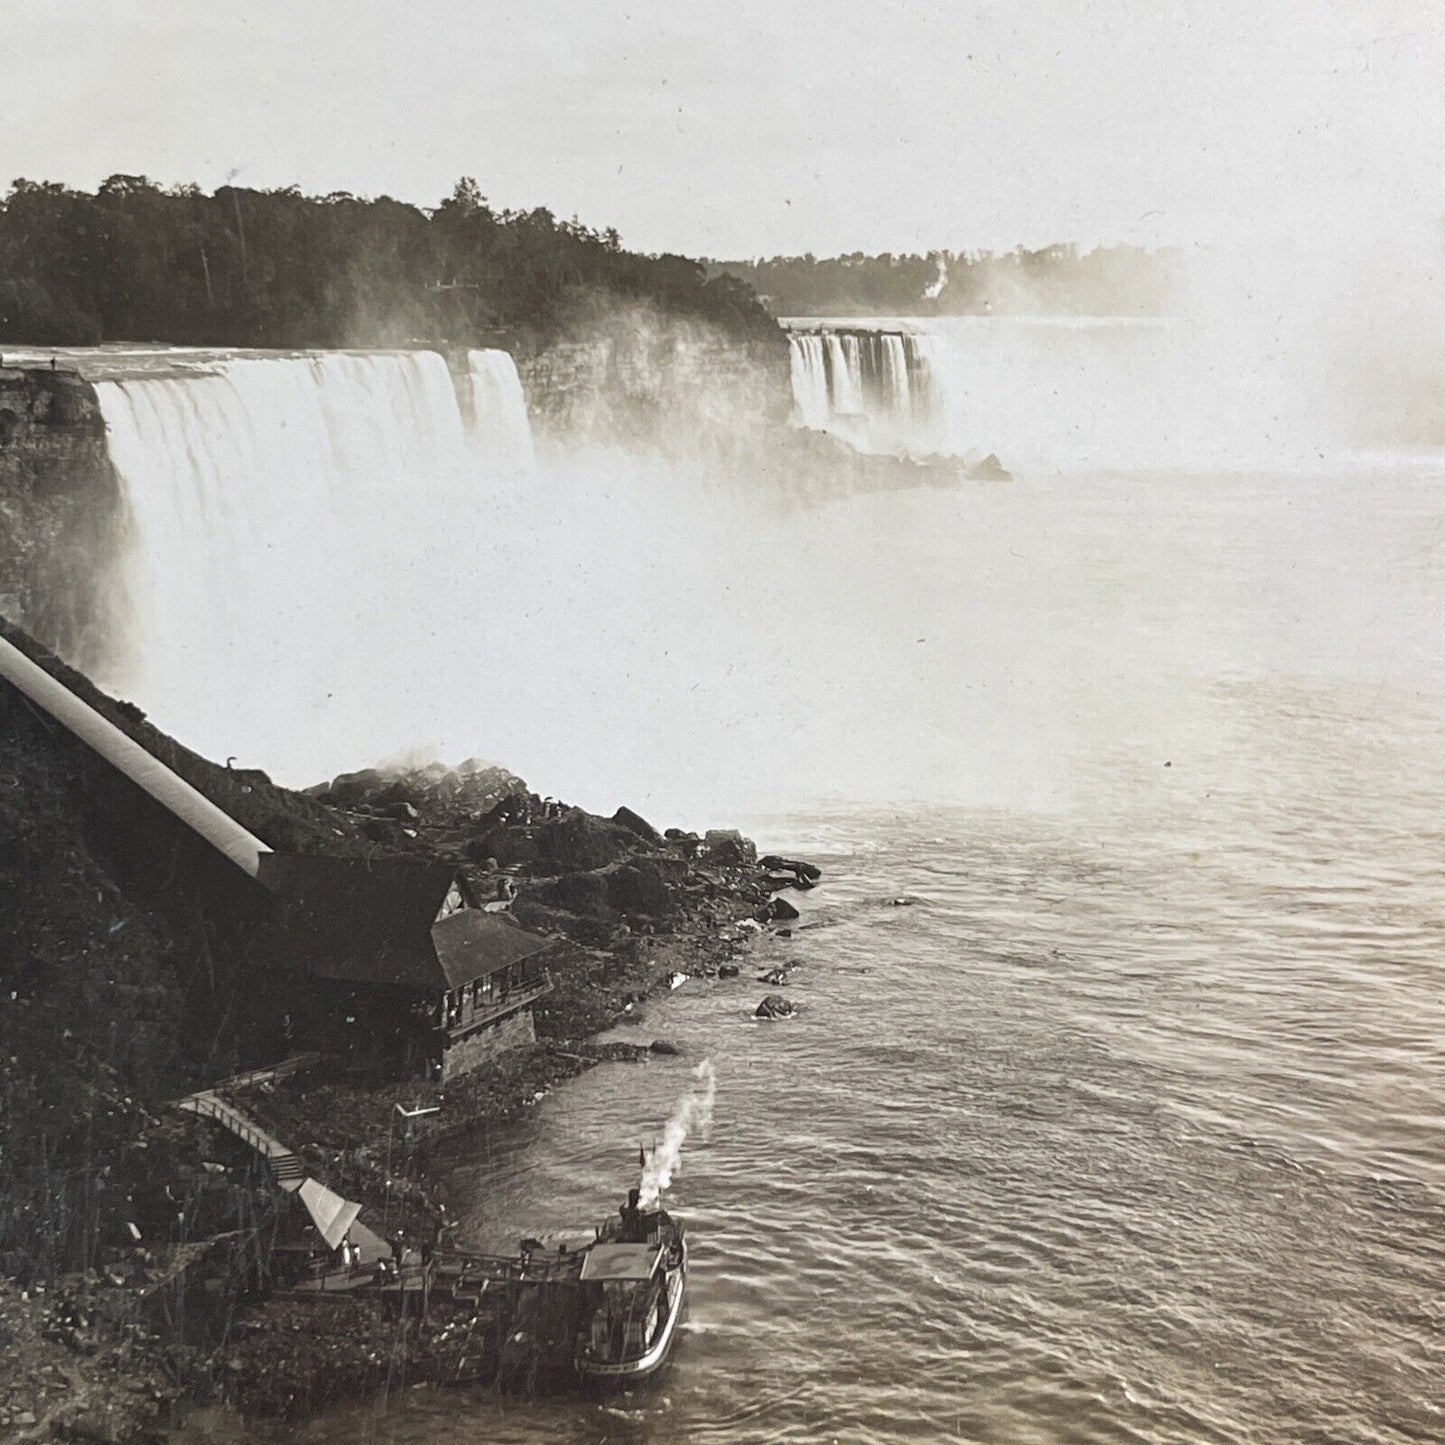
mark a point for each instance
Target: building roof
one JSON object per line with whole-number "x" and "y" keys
{"x": 361, "y": 920}
{"x": 473, "y": 944}
{"x": 621, "y": 1261}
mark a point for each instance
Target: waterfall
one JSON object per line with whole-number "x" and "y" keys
{"x": 874, "y": 387}
{"x": 810, "y": 380}
{"x": 285, "y": 513}
{"x": 1064, "y": 393}
{"x": 499, "y": 410}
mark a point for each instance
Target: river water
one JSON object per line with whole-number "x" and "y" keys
{"x": 1129, "y": 1126}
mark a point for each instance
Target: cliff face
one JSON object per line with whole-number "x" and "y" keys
{"x": 62, "y": 518}
{"x": 638, "y": 378}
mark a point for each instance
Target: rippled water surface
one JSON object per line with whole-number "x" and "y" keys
{"x": 1129, "y": 1127}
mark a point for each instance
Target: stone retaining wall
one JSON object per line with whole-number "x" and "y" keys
{"x": 513, "y": 1032}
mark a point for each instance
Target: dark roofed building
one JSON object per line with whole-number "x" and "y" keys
{"x": 414, "y": 974}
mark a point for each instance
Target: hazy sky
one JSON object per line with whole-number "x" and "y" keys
{"x": 766, "y": 125}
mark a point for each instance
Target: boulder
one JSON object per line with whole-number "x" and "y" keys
{"x": 579, "y": 893}
{"x": 728, "y": 970}
{"x": 777, "y": 910}
{"x": 775, "y": 977}
{"x": 776, "y": 882}
{"x": 350, "y": 788}
{"x": 775, "y": 1006}
{"x": 774, "y": 864}
{"x": 990, "y": 469}
{"x": 577, "y": 841}
{"x": 663, "y": 1046}
{"x": 636, "y": 823}
{"x": 728, "y": 847}
{"x": 639, "y": 888}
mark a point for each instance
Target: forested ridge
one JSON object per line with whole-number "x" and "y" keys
{"x": 1107, "y": 281}
{"x": 136, "y": 261}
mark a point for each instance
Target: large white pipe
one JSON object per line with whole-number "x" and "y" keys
{"x": 195, "y": 810}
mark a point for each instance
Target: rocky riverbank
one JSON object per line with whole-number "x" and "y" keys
{"x": 134, "y": 1241}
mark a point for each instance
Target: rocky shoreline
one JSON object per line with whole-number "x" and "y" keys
{"x": 135, "y": 1264}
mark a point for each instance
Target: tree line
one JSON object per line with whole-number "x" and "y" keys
{"x": 1107, "y": 281}
{"x": 136, "y": 261}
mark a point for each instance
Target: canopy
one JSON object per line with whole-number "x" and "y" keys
{"x": 621, "y": 1261}
{"x": 330, "y": 1213}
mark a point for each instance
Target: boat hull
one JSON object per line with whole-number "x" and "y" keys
{"x": 624, "y": 1371}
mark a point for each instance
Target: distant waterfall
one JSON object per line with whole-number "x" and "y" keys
{"x": 876, "y": 388}
{"x": 1071, "y": 393}
{"x": 291, "y": 508}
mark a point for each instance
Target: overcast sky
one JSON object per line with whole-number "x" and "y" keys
{"x": 762, "y": 126}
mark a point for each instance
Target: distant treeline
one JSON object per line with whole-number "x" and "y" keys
{"x": 1108, "y": 281}
{"x": 136, "y": 261}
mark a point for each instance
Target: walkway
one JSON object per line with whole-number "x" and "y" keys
{"x": 286, "y": 1166}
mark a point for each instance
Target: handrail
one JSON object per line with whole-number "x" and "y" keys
{"x": 209, "y": 1106}
{"x": 511, "y": 1001}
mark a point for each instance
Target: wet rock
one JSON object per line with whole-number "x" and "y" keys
{"x": 636, "y": 823}
{"x": 775, "y": 864}
{"x": 775, "y": 976}
{"x": 663, "y": 1046}
{"x": 728, "y": 970}
{"x": 775, "y": 1006}
{"x": 778, "y": 910}
{"x": 776, "y": 882}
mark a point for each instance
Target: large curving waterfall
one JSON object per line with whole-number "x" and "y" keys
{"x": 284, "y": 509}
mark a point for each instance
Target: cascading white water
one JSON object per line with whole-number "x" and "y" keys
{"x": 285, "y": 510}
{"x": 1064, "y": 393}
{"x": 845, "y": 371}
{"x": 810, "y": 381}
{"x": 868, "y": 385}
{"x": 499, "y": 410}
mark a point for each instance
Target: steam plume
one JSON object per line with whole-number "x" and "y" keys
{"x": 694, "y": 1110}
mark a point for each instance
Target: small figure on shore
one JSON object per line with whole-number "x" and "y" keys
{"x": 398, "y": 1251}
{"x": 425, "y": 1250}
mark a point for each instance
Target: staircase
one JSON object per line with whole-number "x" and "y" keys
{"x": 285, "y": 1165}
{"x": 287, "y": 1170}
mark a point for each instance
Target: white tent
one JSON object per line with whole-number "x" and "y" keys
{"x": 330, "y": 1213}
